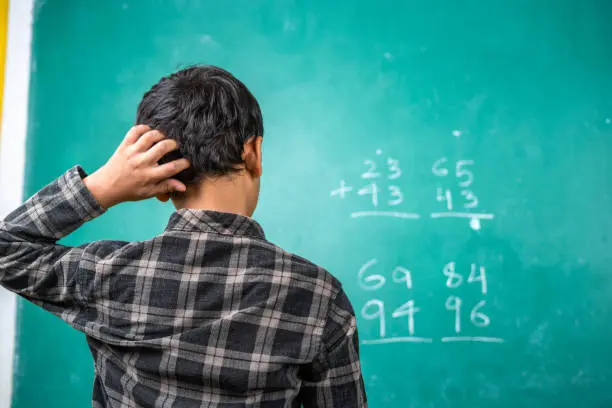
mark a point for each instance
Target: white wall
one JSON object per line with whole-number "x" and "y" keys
{"x": 12, "y": 159}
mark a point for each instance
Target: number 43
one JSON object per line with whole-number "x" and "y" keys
{"x": 471, "y": 201}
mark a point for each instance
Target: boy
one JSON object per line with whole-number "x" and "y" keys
{"x": 209, "y": 313}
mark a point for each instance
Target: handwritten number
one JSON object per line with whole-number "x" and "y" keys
{"x": 371, "y": 172}
{"x": 378, "y": 313}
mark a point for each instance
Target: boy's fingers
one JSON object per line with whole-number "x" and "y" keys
{"x": 170, "y": 186}
{"x": 170, "y": 169}
{"x": 159, "y": 150}
{"x": 147, "y": 140}
{"x": 134, "y": 134}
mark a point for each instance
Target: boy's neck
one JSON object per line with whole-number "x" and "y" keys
{"x": 223, "y": 194}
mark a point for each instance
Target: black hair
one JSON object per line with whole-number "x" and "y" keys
{"x": 209, "y": 112}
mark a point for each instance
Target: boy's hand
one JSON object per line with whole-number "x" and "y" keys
{"x": 132, "y": 173}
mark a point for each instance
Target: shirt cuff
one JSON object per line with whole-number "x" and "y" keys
{"x": 74, "y": 205}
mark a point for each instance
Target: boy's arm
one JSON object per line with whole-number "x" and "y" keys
{"x": 334, "y": 379}
{"x": 33, "y": 265}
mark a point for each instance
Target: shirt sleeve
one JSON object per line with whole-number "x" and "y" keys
{"x": 334, "y": 379}
{"x": 34, "y": 266}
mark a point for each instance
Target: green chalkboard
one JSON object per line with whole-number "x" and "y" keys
{"x": 449, "y": 161}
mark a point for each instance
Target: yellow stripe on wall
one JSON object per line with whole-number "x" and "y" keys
{"x": 4, "y": 5}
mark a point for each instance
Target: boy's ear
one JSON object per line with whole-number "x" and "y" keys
{"x": 252, "y": 155}
{"x": 163, "y": 197}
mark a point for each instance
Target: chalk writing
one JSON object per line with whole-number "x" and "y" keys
{"x": 372, "y": 278}
{"x": 392, "y": 311}
{"x": 380, "y": 188}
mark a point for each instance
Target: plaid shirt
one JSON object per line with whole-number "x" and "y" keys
{"x": 207, "y": 314}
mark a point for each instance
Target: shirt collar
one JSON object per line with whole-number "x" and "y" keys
{"x": 191, "y": 220}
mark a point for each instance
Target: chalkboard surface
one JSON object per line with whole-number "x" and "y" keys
{"x": 448, "y": 161}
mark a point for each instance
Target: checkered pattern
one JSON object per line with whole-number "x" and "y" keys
{"x": 207, "y": 314}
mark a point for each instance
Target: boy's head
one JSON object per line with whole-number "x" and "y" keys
{"x": 216, "y": 121}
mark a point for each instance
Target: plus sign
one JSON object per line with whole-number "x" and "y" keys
{"x": 342, "y": 190}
